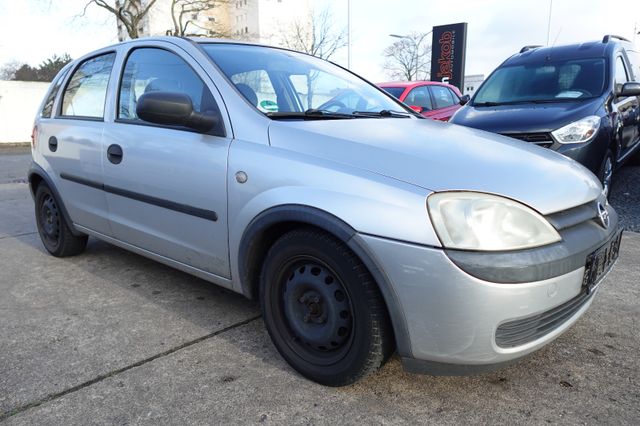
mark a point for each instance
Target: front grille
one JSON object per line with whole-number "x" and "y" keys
{"x": 525, "y": 330}
{"x": 568, "y": 218}
{"x": 542, "y": 139}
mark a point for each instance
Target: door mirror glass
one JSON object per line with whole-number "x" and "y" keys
{"x": 173, "y": 109}
{"x": 465, "y": 99}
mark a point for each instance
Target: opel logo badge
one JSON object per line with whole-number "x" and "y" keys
{"x": 603, "y": 214}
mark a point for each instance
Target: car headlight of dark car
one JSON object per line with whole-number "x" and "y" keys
{"x": 578, "y": 131}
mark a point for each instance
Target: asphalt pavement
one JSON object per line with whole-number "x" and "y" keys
{"x": 109, "y": 337}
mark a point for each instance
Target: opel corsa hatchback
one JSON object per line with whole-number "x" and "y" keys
{"x": 361, "y": 231}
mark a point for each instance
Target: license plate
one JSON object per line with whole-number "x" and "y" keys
{"x": 600, "y": 262}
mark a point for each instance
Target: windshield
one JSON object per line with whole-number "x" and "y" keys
{"x": 394, "y": 91}
{"x": 278, "y": 81}
{"x": 549, "y": 82}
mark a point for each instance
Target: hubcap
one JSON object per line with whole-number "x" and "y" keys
{"x": 50, "y": 219}
{"x": 606, "y": 176}
{"x": 316, "y": 307}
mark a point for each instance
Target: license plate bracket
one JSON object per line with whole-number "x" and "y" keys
{"x": 600, "y": 261}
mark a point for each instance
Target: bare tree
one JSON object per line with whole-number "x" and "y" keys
{"x": 316, "y": 36}
{"x": 409, "y": 58}
{"x": 128, "y": 13}
{"x": 184, "y": 14}
{"x": 9, "y": 69}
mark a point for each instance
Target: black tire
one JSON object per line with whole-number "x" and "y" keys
{"x": 54, "y": 232}
{"x": 605, "y": 174}
{"x": 323, "y": 310}
{"x": 635, "y": 159}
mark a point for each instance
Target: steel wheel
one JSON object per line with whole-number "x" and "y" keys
{"x": 323, "y": 311}
{"x": 316, "y": 309}
{"x": 50, "y": 220}
{"x": 607, "y": 175}
{"x": 54, "y": 232}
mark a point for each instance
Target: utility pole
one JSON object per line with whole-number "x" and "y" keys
{"x": 549, "y": 22}
{"x": 349, "y": 34}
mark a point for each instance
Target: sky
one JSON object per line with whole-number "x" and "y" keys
{"x": 33, "y": 30}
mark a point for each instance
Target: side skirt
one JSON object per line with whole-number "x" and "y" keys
{"x": 207, "y": 276}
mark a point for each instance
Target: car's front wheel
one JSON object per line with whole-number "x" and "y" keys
{"x": 606, "y": 172}
{"x": 322, "y": 308}
{"x": 56, "y": 236}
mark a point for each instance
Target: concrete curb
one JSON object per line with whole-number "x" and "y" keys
{"x": 14, "y": 144}
{"x": 15, "y": 148}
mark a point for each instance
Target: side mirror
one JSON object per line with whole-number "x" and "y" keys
{"x": 630, "y": 89}
{"x": 173, "y": 109}
{"x": 465, "y": 99}
{"x": 416, "y": 108}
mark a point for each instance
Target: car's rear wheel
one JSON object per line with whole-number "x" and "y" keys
{"x": 606, "y": 172}
{"x": 56, "y": 236}
{"x": 322, "y": 309}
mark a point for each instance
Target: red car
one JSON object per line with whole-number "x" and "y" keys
{"x": 430, "y": 98}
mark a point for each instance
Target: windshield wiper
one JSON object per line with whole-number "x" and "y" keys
{"x": 310, "y": 114}
{"x": 384, "y": 113}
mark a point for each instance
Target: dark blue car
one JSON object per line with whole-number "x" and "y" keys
{"x": 582, "y": 100}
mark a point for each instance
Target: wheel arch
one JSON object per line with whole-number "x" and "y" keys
{"x": 36, "y": 176}
{"x": 274, "y": 222}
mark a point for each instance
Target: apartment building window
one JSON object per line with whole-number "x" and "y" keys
{"x": 194, "y": 16}
{"x": 246, "y": 30}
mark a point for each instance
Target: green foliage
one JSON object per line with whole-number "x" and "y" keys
{"x": 46, "y": 71}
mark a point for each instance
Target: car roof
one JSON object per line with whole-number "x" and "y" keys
{"x": 411, "y": 83}
{"x": 592, "y": 49}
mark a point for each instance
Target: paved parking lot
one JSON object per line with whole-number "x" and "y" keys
{"x": 111, "y": 337}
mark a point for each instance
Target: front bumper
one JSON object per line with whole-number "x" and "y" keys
{"x": 454, "y": 319}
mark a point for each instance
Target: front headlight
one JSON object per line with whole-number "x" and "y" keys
{"x": 578, "y": 131}
{"x": 477, "y": 221}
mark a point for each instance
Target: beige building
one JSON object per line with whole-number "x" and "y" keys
{"x": 262, "y": 21}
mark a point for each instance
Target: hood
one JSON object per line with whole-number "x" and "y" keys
{"x": 440, "y": 156}
{"x": 525, "y": 118}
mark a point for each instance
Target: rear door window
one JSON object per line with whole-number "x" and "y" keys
{"x": 85, "y": 94}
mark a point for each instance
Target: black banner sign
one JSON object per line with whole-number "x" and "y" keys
{"x": 448, "y": 51}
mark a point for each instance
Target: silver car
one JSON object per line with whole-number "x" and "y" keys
{"x": 362, "y": 228}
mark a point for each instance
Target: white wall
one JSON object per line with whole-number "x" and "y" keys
{"x": 19, "y": 102}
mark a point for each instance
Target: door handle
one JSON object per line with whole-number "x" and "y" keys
{"x": 53, "y": 144}
{"x": 114, "y": 153}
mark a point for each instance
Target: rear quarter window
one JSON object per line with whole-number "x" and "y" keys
{"x": 47, "y": 107}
